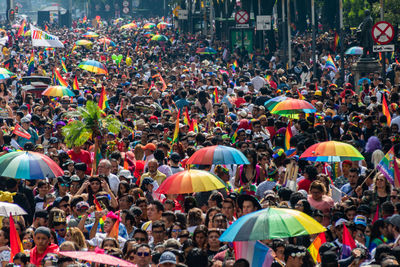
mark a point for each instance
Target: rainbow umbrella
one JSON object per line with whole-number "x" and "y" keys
{"x": 28, "y": 165}
{"x": 331, "y": 151}
{"x": 292, "y": 107}
{"x": 270, "y": 104}
{"x": 90, "y": 35}
{"x": 162, "y": 25}
{"x": 83, "y": 43}
{"x": 206, "y": 51}
{"x": 107, "y": 41}
{"x": 148, "y": 34}
{"x": 149, "y": 26}
{"x": 129, "y": 26}
{"x": 159, "y": 38}
{"x": 58, "y": 91}
{"x": 5, "y": 74}
{"x": 190, "y": 181}
{"x": 355, "y": 50}
{"x": 217, "y": 155}
{"x": 93, "y": 66}
{"x": 271, "y": 223}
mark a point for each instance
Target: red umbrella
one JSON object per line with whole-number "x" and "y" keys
{"x": 97, "y": 257}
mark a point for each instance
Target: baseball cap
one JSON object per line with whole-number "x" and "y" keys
{"x": 25, "y": 120}
{"x": 394, "y": 220}
{"x": 168, "y": 257}
{"x": 82, "y": 205}
{"x": 150, "y": 146}
{"x": 126, "y": 174}
{"x": 361, "y": 220}
{"x": 340, "y": 222}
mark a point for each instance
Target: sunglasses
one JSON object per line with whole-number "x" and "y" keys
{"x": 140, "y": 239}
{"x": 59, "y": 230}
{"x": 64, "y": 185}
{"x": 176, "y": 230}
{"x": 143, "y": 254}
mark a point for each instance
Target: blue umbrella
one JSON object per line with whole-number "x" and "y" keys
{"x": 218, "y": 155}
{"x": 355, "y": 50}
{"x": 270, "y": 104}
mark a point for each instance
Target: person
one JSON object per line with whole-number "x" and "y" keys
{"x": 143, "y": 256}
{"x": 248, "y": 204}
{"x": 320, "y": 201}
{"x": 167, "y": 259}
{"x": 97, "y": 238}
{"x": 294, "y": 255}
{"x": 42, "y": 245}
{"x": 105, "y": 170}
{"x": 153, "y": 173}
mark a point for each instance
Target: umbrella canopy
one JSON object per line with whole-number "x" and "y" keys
{"x": 159, "y": 38}
{"x": 331, "y": 151}
{"x": 355, "y": 50}
{"x": 10, "y": 208}
{"x": 270, "y": 104}
{"x": 129, "y": 26}
{"x": 206, "y": 51}
{"x": 162, "y": 25}
{"x": 5, "y": 74}
{"x": 28, "y": 165}
{"x": 148, "y": 34}
{"x": 93, "y": 66}
{"x": 292, "y": 107}
{"x": 90, "y": 35}
{"x": 190, "y": 181}
{"x": 97, "y": 257}
{"x": 149, "y": 26}
{"x": 58, "y": 91}
{"x": 271, "y": 223}
{"x": 83, "y": 43}
{"x": 107, "y": 41}
{"x": 218, "y": 155}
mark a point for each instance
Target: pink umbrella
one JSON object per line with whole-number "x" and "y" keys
{"x": 97, "y": 257}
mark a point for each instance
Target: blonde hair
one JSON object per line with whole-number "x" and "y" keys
{"x": 77, "y": 237}
{"x": 376, "y": 157}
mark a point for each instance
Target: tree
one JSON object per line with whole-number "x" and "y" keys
{"x": 89, "y": 123}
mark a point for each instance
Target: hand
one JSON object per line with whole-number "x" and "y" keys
{"x": 86, "y": 184}
{"x": 98, "y": 215}
{"x": 91, "y": 209}
{"x": 105, "y": 185}
{"x": 346, "y": 197}
{"x": 359, "y": 191}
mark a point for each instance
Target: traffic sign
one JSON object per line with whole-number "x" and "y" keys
{"x": 242, "y": 17}
{"x": 175, "y": 10}
{"x": 11, "y": 15}
{"x": 263, "y": 23}
{"x": 183, "y": 14}
{"x": 125, "y": 10}
{"x": 382, "y": 32}
{"x": 384, "y": 48}
{"x": 242, "y": 26}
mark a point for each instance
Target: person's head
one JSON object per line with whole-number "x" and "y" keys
{"x": 140, "y": 236}
{"x": 228, "y": 208}
{"x": 195, "y": 217}
{"x": 304, "y": 206}
{"x": 168, "y": 217}
{"x": 294, "y": 255}
{"x": 143, "y": 255}
{"x": 155, "y": 210}
{"x": 158, "y": 231}
{"x": 5, "y": 236}
{"x": 20, "y": 259}
{"x": 317, "y": 190}
{"x": 220, "y": 221}
{"x": 75, "y": 235}
{"x": 197, "y": 258}
{"x": 278, "y": 245}
{"x": 353, "y": 177}
{"x": 248, "y": 204}
{"x": 152, "y": 166}
{"x": 42, "y": 238}
{"x": 109, "y": 243}
{"x": 104, "y": 167}
{"x": 200, "y": 236}
{"x": 167, "y": 259}
{"x": 175, "y": 230}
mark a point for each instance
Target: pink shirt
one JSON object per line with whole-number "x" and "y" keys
{"x": 324, "y": 205}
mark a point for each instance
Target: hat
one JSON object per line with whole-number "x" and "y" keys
{"x": 126, "y": 174}
{"x": 243, "y": 198}
{"x": 82, "y": 205}
{"x": 167, "y": 257}
{"x": 150, "y": 146}
{"x": 68, "y": 162}
{"x": 75, "y": 178}
{"x": 53, "y": 140}
{"x": 81, "y": 166}
{"x": 361, "y": 220}
{"x": 25, "y": 120}
{"x": 364, "y": 209}
{"x": 191, "y": 134}
{"x": 175, "y": 157}
{"x": 318, "y": 93}
{"x": 58, "y": 200}
{"x": 394, "y": 220}
{"x": 153, "y": 118}
{"x": 340, "y": 222}
{"x": 43, "y": 230}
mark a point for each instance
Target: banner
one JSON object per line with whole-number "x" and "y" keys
{"x": 42, "y": 38}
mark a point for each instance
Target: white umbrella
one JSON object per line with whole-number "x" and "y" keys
{"x": 7, "y": 208}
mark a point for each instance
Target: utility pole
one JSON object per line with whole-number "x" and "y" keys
{"x": 341, "y": 31}
{"x": 313, "y": 38}
{"x": 284, "y": 43}
{"x": 382, "y": 3}
{"x": 289, "y": 36}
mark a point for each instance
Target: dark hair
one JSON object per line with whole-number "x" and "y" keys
{"x": 158, "y": 224}
{"x": 295, "y": 197}
{"x": 158, "y": 204}
{"x": 129, "y": 216}
{"x": 197, "y": 258}
{"x": 22, "y": 257}
{"x": 241, "y": 263}
{"x": 307, "y": 207}
{"x": 141, "y": 231}
{"x": 6, "y": 232}
{"x": 217, "y": 197}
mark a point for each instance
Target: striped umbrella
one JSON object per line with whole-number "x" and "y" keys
{"x": 107, "y": 41}
{"x": 217, "y": 155}
{"x": 331, "y": 151}
{"x": 93, "y": 66}
{"x": 90, "y": 35}
{"x": 190, "y": 181}
{"x": 129, "y": 26}
{"x": 270, "y": 104}
{"x": 206, "y": 51}
{"x": 271, "y": 223}
{"x": 5, "y": 74}
{"x": 292, "y": 107}
{"x": 83, "y": 43}
{"x": 159, "y": 38}
{"x": 28, "y": 165}
{"x": 355, "y": 50}
{"x": 162, "y": 25}
{"x": 58, "y": 91}
{"x": 149, "y": 26}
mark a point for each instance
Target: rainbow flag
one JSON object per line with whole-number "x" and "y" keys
{"x": 255, "y": 252}
{"x": 59, "y": 79}
{"x": 348, "y": 243}
{"x": 288, "y": 135}
{"x": 75, "y": 85}
{"x": 46, "y": 28}
{"x": 84, "y": 19}
{"x": 330, "y": 64}
{"x": 235, "y": 65}
{"x": 103, "y": 101}
{"x": 268, "y": 77}
{"x": 175, "y": 139}
{"x": 115, "y": 229}
{"x": 301, "y": 97}
{"x": 234, "y": 136}
{"x": 21, "y": 29}
{"x": 336, "y": 41}
{"x": 195, "y": 126}
{"x": 63, "y": 65}
{"x": 31, "y": 64}
{"x": 73, "y": 48}
{"x": 98, "y": 208}
{"x": 186, "y": 118}
{"x": 385, "y": 111}
{"x": 315, "y": 245}
{"x": 15, "y": 242}
{"x": 215, "y": 96}
{"x": 390, "y": 168}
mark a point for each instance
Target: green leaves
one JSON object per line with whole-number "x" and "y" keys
{"x": 88, "y": 123}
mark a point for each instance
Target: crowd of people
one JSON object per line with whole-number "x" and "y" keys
{"x": 224, "y": 96}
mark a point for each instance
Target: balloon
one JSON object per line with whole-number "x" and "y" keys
{"x": 120, "y": 57}
{"x": 114, "y": 56}
{"x": 129, "y": 61}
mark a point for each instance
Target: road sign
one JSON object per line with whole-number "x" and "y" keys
{"x": 175, "y": 11}
{"x": 125, "y": 10}
{"x": 183, "y": 14}
{"x": 11, "y": 15}
{"x": 242, "y": 17}
{"x": 382, "y": 32}
{"x": 263, "y": 23}
{"x": 384, "y": 48}
{"x": 242, "y": 26}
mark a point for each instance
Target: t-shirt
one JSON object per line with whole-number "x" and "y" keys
{"x": 82, "y": 156}
{"x": 324, "y": 205}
